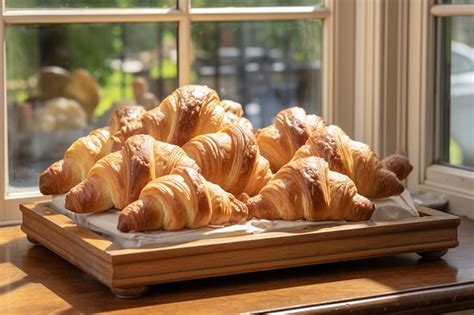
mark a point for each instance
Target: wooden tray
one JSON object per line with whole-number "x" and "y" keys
{"x": 128, "y": 272}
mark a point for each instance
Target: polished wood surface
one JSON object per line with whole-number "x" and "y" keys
{"x": 34, "y": 280}
{"x": 128, "y": 272}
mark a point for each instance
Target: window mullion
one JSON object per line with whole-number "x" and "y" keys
{"x": 3, "y": 120}
{"x": 92, "y": 16}
{"x": 184, "y": 44}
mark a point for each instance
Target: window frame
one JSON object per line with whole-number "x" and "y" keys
{"x": 456, "y": 184}
{"x": 334, "y": 35}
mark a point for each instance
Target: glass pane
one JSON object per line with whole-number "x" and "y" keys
{"x": 52, "y": 97}
{"x": 266, "y": 66}
{"x": 457, "y": 134}
{"x": 251, "y": 3}
{"x": 21, "y": 4}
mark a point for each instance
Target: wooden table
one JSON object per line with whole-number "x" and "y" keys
{"x": 33, "y": 279}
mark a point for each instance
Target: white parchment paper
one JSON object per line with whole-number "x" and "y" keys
{"x": 105, "y": 223}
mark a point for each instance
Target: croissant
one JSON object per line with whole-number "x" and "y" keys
{"x": 279, "y": 142}
{"x": 231, "y": 159}
{"x": 398, "y": 164}
{"x": 125, "y": 115}
{"x": 183, "y": 199}
{"x": 234, "y": 114}
{"x": 232, "y": 107}
{"x": 356, "y": 160}
{"x": 117, "y": 179}
{"x": 61, "y": 176}
{"x": 189, "y": 111}
{"x": 307, "y": 189}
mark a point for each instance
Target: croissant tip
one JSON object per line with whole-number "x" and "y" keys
{"x": 398, "y": 164}
{"x": 44, "y": 185}
{"x": 52, "y": 181}
{"x": 123, "y": 225}
{"x": 71, "y": 203}
{"x": 130, "y": 218}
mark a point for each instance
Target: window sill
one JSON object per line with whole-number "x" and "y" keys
{"x": 456, "y": 184}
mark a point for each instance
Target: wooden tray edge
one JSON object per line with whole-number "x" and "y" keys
{"x": 131, "y": 267}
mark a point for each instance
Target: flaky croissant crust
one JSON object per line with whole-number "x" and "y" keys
{"x": 183, "y": 199}
{"x": 354, "y": 159}
{"x": 117, "y": 179}
{"x": 279, "y": 141}
{"x": 189, "y": 111}
{"x": 231, "y": 159}
{"x": 307, "y": 189}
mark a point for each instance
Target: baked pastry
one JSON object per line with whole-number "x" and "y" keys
{"x": 231, "y": 159}
{"x": 117, "y": 179}
{"x": 398, "y": 164}
{"x": 232, "y": 107}
{"x": 292, "y": 127}
{"x": 183, "y": 199}
{"x": 61, "y": 176}
{"x": 356, "y": 160}
{"x": 124, "y": 115}
{"x": 234, "y": 114}
{"x": 189, "y": 111}
{"x": 307, "y": 189}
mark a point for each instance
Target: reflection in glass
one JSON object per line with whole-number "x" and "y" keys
{"x": 23, "y": 4}
{"x": 64, "y": 80}
{"x": 459, "y": 65}
{"x": 266, "y": 66}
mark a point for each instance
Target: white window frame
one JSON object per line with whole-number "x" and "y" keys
{"x": 456, "y": 184}
{"x": 338, "y": 49}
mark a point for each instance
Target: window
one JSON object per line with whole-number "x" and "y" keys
{"x": 455, "y": 79}
{"x": 441, "y": 100}
{"x": 67, "y": 64}
{"x": 47, "y": 69}
{"x": 267, "y": 65}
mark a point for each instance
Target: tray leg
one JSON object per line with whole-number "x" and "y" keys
{"x": 433, "y": 254}
{"x": 33, "y": 241}
{"x": 129, "y": 293}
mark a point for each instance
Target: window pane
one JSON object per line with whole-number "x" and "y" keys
{"x": 251, "y": 3}
{"x": 51, "y": 71}
{"x": 456, "y": 115}
{"x": 266, "y": 66}
{"x": 20, "y": 4}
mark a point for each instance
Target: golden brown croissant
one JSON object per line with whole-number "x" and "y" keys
{"x": 354, "y": 159}
{"x": 189, "y": 111}
{"x": 307, "y": 189}
{"x": 61, "y": 176}
{"x": 232, "y": 107}
{"x": 117, "y": 179}
{"x": 124, "y": 115}
{"x": 398, "y": 164}
{"x": 183, "y": 199}
{"x": 231, "y": 159}
{"x": 279, "y": 142}
{"x": 234, "y": 114}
